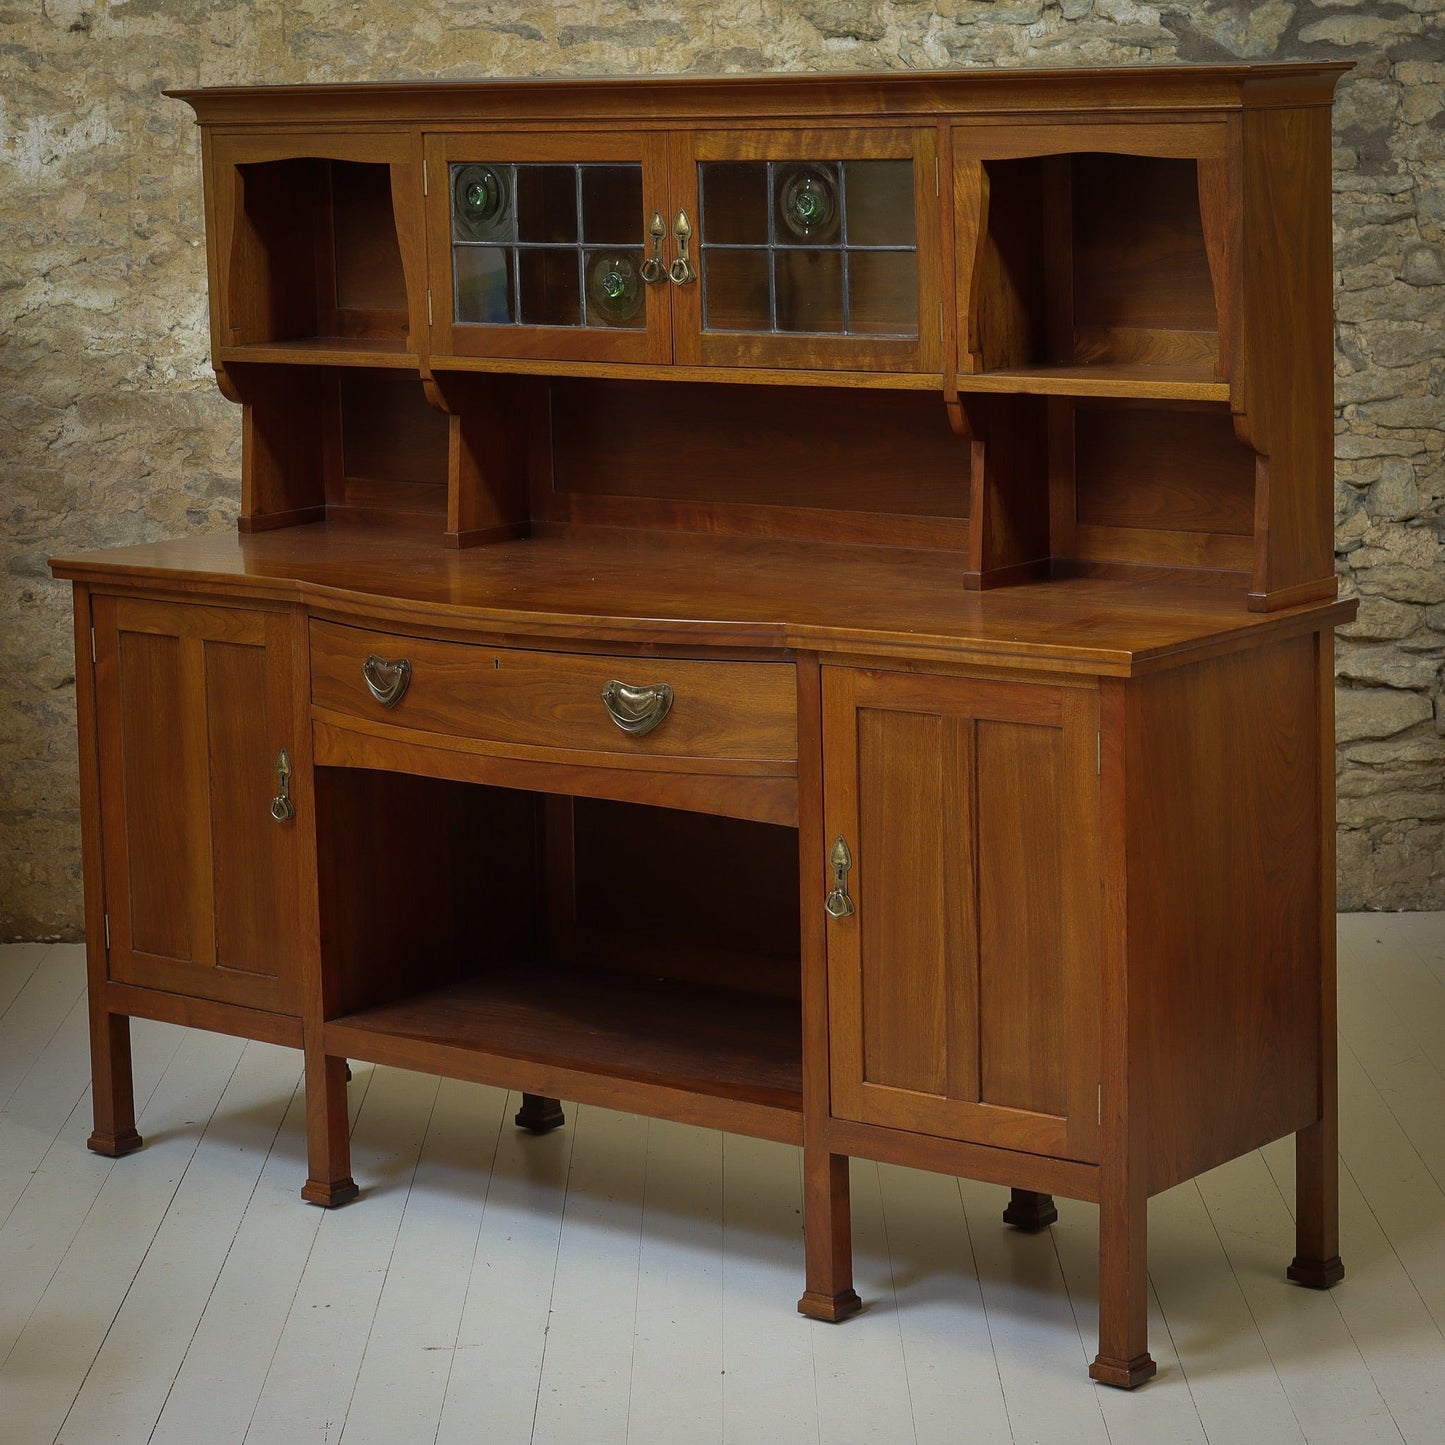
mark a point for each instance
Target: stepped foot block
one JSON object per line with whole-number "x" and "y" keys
{"x": 127, "y": 1141}
{"x": 830, "y": 1307}
{"x": 539, "y": 1115}
{"x": 1029, "y": 1212}
{"x": 1123, "y": 1374}
{"x": 1316, "y": 1273}
{"x": 338, "y": 1191}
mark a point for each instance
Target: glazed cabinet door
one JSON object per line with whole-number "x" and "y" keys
{"x": 814, "y": 248}
{"x": 199, "y": 829}
{"x": 962, "y": 822}
{"x": 548, "y": 246}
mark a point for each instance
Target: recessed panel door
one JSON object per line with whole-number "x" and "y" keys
{"x": 200, "y": 830}
{"x": 963, "y": 983}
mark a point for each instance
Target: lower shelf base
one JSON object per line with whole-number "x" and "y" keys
{"x": 338, "y": 1191}
{"x": 1316, "y": 1273}
{"x": 831, "y": 1308}
{"x": 1123, "y": 1374}
{"x": 114, "y": 1145}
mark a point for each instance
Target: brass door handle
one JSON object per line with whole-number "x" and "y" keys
{"x": 681, "y": 272}
{"x": 637, "y": 710}
{"x": 282, "y": 808}
{"x": 386, "y": 681}
{"x": 838, "y": 904}
{"x": 654, "y": 269}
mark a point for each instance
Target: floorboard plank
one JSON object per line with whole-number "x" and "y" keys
{"x": 587, "y": 1364}
{"x": 1232, "y": 1380}
{"x": 768, "y": 1386}
{"x": 58, "y": 1196}
{"x": 1399, "y": 1341}
{"x": 403, "y": 1377}
{"x": 37, "y": 1012}
{"x": 677, "y": 1360}
{"x": 126, "y": 1388}
{"x": 18, "y": 962}
{"x": 1042, "y": 1360}
{"x": 491, "y": 1391}
{"x": 309, "y": 1385}
{"x": 1330, "y": 1389}
{"x": 947, "y": 1348}
{"x": 47, "y": 1367}
{"x": 1404, "y": 1196}
{"x": 53, "y": 1086}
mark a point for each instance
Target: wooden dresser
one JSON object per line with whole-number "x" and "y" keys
{"x": 798, "y": 604}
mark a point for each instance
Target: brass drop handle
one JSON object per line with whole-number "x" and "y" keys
{"x": 282, "y": 808}
{"x": 654, "y": 269}
{"x": 681, "y": 271}
{"x": 386, "y": 681}
{"x": 637, "y": 710}
{"x": 837, "y": 903}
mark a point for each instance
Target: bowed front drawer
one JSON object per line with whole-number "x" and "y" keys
{"x": 735, "y": 715}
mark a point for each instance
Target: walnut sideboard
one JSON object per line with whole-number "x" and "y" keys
{"x": 797, "y": 604}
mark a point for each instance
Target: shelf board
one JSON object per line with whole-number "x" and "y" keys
{"x": 1122, "y": 379}
{"x": 325, "y": 351}
{"x": 670, "y": 371}
{"x": 674, "y": 1049}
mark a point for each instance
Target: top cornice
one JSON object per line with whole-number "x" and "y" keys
{"x": 1191, "y": 89}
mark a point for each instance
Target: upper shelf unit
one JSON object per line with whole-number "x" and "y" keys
{"x": 1116, "y": 281}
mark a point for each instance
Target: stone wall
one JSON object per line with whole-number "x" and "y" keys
{"x": 111, "y": 430}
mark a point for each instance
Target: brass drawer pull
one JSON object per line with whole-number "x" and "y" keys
{"x": 386, "y": 681}
{"x": 637, "y": 710}
{"x": 838, "y": 904}
{"x": 282, "y": 808}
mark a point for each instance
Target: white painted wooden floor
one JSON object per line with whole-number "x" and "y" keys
{"x": 626, "y": 1280}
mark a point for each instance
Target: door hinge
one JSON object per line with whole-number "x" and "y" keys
{"x": 107, "y": 932}
{"x": 1098, "y": 755}
{"x": 1099, "y": 1112}
{"x": 92, "y": 644}
{"x": 429, "y": 321}
{"x": 936, "y": 182}
{"x": 425, "y": 189}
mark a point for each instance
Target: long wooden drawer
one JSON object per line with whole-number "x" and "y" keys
{"x": 732, "y": 713}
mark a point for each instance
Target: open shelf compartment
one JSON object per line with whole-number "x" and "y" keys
{"x": 320, "y": 256}
{"x": 1087, "y": 273}
{"x": 571, "y": 947}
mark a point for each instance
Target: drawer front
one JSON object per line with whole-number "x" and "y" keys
{"x": 731, "y": 712}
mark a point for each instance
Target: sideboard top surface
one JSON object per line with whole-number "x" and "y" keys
{"x": 650, "y": 589}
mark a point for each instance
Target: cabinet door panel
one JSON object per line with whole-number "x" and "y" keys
{"x": 536, "y": 246}
{"x": 202, "y": 883}
{"x": 813, "y": 249}
{"x": 963, "y": 990}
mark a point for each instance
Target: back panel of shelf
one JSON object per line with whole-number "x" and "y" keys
{"x": 339, "y": 444}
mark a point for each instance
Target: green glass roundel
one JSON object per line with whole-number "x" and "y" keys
{"x": 614, "y": 287}
{"x": 481, "y": 202}
{"x": 808, "y": 203}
